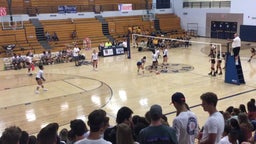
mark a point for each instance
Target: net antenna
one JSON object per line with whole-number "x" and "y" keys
{"x": 218, "y": 45}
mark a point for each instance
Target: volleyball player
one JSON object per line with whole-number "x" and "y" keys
{"x": 29, "y": 63}
{"x": 165, "y": 56}
{"x": 218, "y": 66}
{"x": 39, "y": 79}
{"x": 253, "y": 53}
{"x": 94, "y": 60}
{"x": 154, "y": 60}
{"x": 212, "y": 60}
{"x": 140, "y": 64}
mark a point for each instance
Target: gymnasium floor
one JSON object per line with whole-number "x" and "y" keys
{"x": 75, "y": 91}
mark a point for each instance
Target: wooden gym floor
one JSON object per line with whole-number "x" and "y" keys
{"x": 75, "y": 91}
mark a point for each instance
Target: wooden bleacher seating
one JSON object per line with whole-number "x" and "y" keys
{"x": 118, "y": 26}
{"x": 170, "y": 23}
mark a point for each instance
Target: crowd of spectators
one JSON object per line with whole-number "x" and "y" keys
{"x": 232, "y": 126}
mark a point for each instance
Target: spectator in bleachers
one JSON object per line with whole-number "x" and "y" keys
{"x": 214, "y": 125}
{"x": 78, "y": 130}
{"x": 48, "y": 134}
{"x": 63, "y": 135}
{"x": 74, "y": 34}
{"x": 185, "y": 123}
{"x": 142, "y": 45}
{"x": 32, "y": 139}
{"x": 124, "y": 115}
{"x": 11, "y": 135}
{"x": 21, "y": 61}
{"x": 157, "y": 132}
{"x": 97, "y": 121}
{"x": 101, "y": 47}
{"x": 15, "y": 62}
{"x": 234, "y": 125}
{"x": 108, "y": 44}
{"x": 55, "y": 37}
{"x": 242, "y": 108}
{"x": 138, "y": 124}
{"x": 43, "y": 58}
{"x": 224, "y": 138}
{"x": 251, "y": 110}
{"x": 124, "y": 134}
{"x": 48, "y": 36}
{"x": 246, "y": 126}
{"x": 24, "y": 138}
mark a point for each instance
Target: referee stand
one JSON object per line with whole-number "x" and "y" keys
{"x": 233, "y": 73}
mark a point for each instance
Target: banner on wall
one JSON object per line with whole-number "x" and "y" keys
{"x": 3, "y": 11}
{"x": 125, "y": 7}
{"x": 67, "y": 9}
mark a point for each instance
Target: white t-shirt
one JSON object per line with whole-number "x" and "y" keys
{"x": 89, "y": 141}
{"x": 125, "y": 44}
{"x": 76, "y": 51}
{"x": 154, "y": 57}
{"x": 94, "y": 56}
{"x": 236, "y": 42}
{"x": 224, "y": 140}
{"x": 29, "y": 59}
{"x": 165, "y": 52}
{"x": 214, "y": 124}
{"x": 186, "y": 127}
{"x": 40, "y": 74}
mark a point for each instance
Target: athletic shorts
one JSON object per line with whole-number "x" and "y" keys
{"x": 139, "y": 63}
{"x": 236, "y": 51}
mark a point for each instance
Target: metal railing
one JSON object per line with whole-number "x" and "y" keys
{"x": 207, "y": 4}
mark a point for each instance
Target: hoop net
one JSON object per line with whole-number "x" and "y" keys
{"x": 137, "y": 37}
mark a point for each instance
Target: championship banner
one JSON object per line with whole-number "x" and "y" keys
{"x": 3, "y": 11}
{"x": 125, "y": 7}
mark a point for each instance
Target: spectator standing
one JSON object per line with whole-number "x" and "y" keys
{"x": 11, "y": 135}
{"x": 124, "y": 115}
{"x": 97, "y": 122}
{"x": 214, "y": 125}
{"x": 157, "y": 132}
{"x": 185, "y": 123}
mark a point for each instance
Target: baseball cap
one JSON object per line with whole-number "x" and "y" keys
{"x": 178, "y": 97}
{"x": 156, "y": 110}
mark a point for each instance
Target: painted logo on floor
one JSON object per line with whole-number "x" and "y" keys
{"x": 170, "y": 68}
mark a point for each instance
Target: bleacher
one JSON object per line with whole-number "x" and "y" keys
{"x": 170, "y": 23}
{"x": 85, "y": 28}
{"x": 118, "y": 26}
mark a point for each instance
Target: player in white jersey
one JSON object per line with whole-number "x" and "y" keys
{"x": 165, "y": 56}
{"x": 29, "y": 63}
{"x": 185, "y": 123}
{"x": 39, "y": 79}
{"x": 94, "y": 59}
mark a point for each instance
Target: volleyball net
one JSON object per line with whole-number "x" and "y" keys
{"x": 148, "y": 42}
